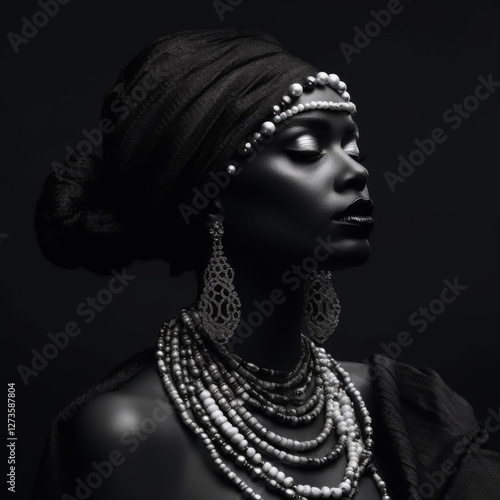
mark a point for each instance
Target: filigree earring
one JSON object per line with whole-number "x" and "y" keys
{"x": 219, "y": 304}
{"x": 321, "y": 306}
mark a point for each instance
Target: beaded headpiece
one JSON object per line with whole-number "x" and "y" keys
{"x": 281, "y": 112}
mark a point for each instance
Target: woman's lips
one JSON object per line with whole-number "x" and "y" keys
{"x": 357, "y": 220}
{"x": 358, "y": 213}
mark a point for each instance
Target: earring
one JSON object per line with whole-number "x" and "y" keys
{"x": 219, "y": 304}
{"x": 321, "y": 306}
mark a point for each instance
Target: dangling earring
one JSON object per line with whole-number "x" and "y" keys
{"x": 321, "y": 306}
{"x": 219, "y": 304}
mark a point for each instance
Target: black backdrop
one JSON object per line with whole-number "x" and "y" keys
{"x": 440, "y": 223}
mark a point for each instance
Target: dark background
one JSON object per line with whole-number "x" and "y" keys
{"x": 441, "y": 223}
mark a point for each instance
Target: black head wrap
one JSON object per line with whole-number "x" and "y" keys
{"x": 177, "y": 113}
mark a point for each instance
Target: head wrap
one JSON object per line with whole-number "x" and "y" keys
{"x": 177, "y": 113}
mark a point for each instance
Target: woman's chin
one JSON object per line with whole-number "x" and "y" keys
{"x": 347, "y": 253}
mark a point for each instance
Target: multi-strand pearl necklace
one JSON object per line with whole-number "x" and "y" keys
{"x": 213, "y": 390}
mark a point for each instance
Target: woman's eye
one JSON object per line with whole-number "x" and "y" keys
{"x": 305, "y": 154}
{"x": 305, "y": 148}
{"x": 351, "y": 149}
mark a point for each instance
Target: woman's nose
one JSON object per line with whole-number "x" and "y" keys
{"x": 351, "y": 175}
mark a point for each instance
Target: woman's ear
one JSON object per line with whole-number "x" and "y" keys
{"x": 213, "y": 212}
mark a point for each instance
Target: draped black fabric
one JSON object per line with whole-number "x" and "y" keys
{"x": 430, "y": 444}
{"x": 428, "y": 440}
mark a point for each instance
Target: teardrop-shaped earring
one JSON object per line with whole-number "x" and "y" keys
{"x": 219, "y": 304}
{"x": 321, "y": 306}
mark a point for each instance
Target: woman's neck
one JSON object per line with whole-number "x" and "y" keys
{"x": 269, "y": 333}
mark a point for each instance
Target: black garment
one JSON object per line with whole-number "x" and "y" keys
{"x": 427, "y": 446}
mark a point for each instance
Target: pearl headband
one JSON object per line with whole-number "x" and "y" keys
{"x": 285, "y": 110}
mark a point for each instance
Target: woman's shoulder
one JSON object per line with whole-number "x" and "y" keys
{"x": 104, "y": 428}
{"x": 118, "y": 418}
{"x": 125, "y": 435}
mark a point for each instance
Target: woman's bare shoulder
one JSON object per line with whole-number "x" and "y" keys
{"x": 140, "y": 403}
{"x": 131, "y": 431}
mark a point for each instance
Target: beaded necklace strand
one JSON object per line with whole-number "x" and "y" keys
{"x": 218, "y": 395}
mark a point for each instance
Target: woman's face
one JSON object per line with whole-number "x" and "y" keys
{"x": 287, "y": 202}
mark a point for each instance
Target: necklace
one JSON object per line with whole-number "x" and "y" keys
{"x": 219, "y": 396}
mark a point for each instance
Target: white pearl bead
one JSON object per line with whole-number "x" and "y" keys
{"x": 315, "y": 492}
{"x": 231, "y": 169}
{"x": 326, "y": 492}
{"x": 296, "y": 89}
{"x": 345, "y": 486}
{"x": 232, "y": 431}
{"x": 205, "y": 394}
{"x": 322, "y": 78}
{"x": 336, "y": 493}
{"x": 346, "y": 96}
{"x": 237, "y": 438}
{"x": 333, "y": 80}
{"x": 216, "y": 414}
{"x": 342, "y": 87}
{"x": 219, "y": 421}
{"x": 280, "y": 477}
{"x": 268, "y": 128}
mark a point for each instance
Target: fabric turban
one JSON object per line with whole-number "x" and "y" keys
{"x": 177, "y": 113}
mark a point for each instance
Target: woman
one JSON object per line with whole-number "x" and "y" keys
{"x": 228, "y": 156}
